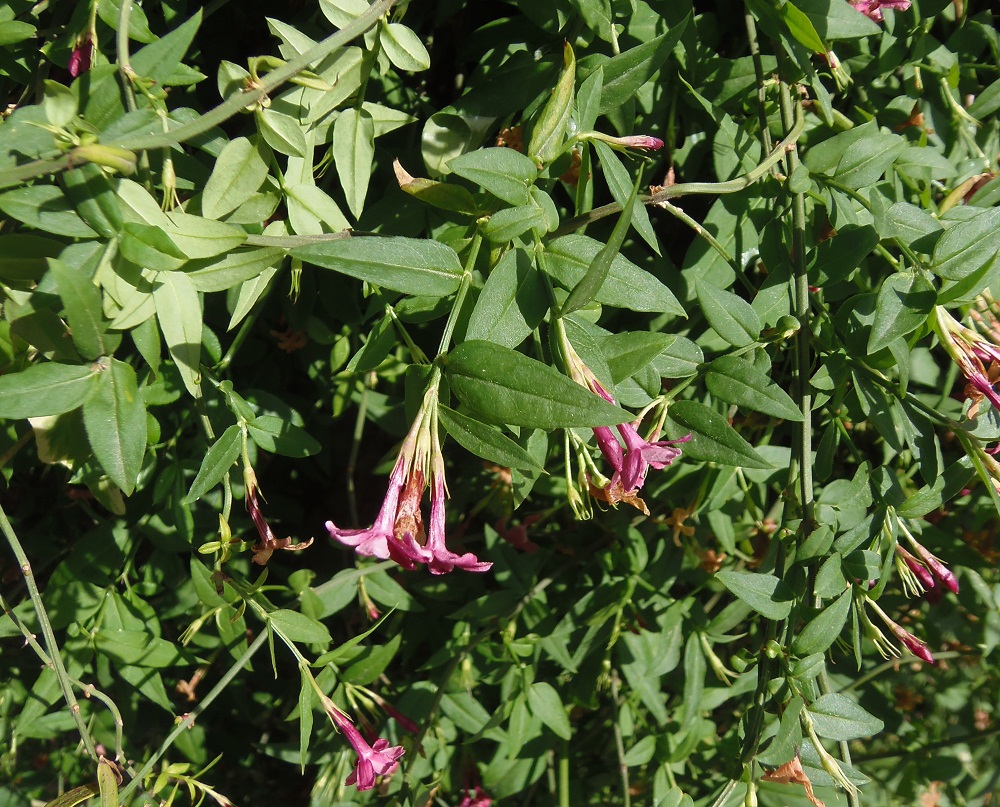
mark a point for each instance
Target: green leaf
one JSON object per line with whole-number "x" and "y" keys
{"x": 508, "y": 223}
{"x": 115, "y": 417}
{"x": 239, "y": 171}
{"x": 621, "y": 189}
{"x": 90, "y": 191}
{"x": 82, "y": 303}
{"x": 712, "y": 438}
{"x": 824, "y": 628}
{"x": 306, "y": 697}
{"x": 736, "y": 380}
{"x": 411, "y": 265}
{"x": 765, "y": 593}
{"x": 439, "y": 194}
{"x": 732, "y": 317}
{"x": 279, "y": 436}
{"x": 505, "y": 173}
{"x": 250, "y": 292}
{"x": 837, "y": 717}
{"x": 24, "y": 257}
{"x": 200, "y": 238}
{"x": 298, "y": 627}
{"x": 547, "y": 706}
{"x": 549, "y": 131}
{"x": 511, "y": 304}
{"x": 160, "y": 59}
{"x": 353, "y": 152}
{"x": 46, "y": 389}
{"x": 282, "y": 133}
{"x": 903, "y": 304}
{"x": 216, "y": 463}
{"x": 148, "y": 246}
{"x": 137, "y": 648}
{"x": 485, "y": 441}
{"x": 627, "y": 285}
{"x": 107, "y": 782}
{"x": 801, "y": 27}
{"x": 966, "y": 246}
{"x": 625, "y": 73}
{"x": 629, "y": 352}
{"x": 219, "y": 274}
{"x": 312, "y": 211}
{"x": 513, "y": 389}
{"x": 404, "y": 48}
{"x": 46, "y": 208}
{"x": 952, "y": 480}
{"x": 178, "y": 310}
{"x": 599, "y": 269}
{"x": 868, "y": 159}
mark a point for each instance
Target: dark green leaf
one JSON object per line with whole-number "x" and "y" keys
{"x": 736, "y": 380}
{"x": 281, "y": 437}
{"x": 514, "y": 389}
{"x": 115, "y": 417}
{"x": 824, "y": 628}
{"x": 765, "y": 593}
{"x": 298, "y": 627}
{"x": 485, "y": 441}
{"x": 46, "y": 389}
{"x": 216, "y": 464}
{"x": 837, "y": 717}
{"x": 409, "y": 265}
{"x": 903, "y": 304}
{"x": 505, "y": 173}
{"x": 546, "y": 705}
{"x": 712, "y": 438}
{"x": 82, "y": 302}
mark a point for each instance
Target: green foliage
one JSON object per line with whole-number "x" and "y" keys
{"x": 680, "y": 257}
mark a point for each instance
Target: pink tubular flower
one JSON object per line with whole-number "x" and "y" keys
{"x": 909, "y": 641}
{"x": 942, "y": 574}
{"x": 377, "y": 759}
{"x": 631, "y": 462}
{"x": 873, "y": 8}
{"x": 969, "y": 350}
{"x": 398, "y": 532}
{"x": 268, "y": 543}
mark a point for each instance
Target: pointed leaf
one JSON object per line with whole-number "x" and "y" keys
{"x": 178, "y": 310}
{"x": 353, "y": 152}
{"x": 46, "y": 389}
{"x": 765, "y": 593}
{"x": 712, "y": 438}
{"x": 485, "y": 441}
{"x": 115, "y": 417}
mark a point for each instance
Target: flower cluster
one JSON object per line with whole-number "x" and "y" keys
{"x": 873, "y": 8}
{"x": 632, "y": 462}
{"x": 969, "y": 350}
{"x": 925, "y": 570}
{"x": 398, "y": 532}
{"x": 883, "y": 645}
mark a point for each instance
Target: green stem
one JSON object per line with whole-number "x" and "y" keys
{"x": 758, "y": 68}
{"x": 619, "y": 741}
{"x": 463, "y": 289}
{"x": 221, "y": 113}
{"x": 47, "y": 633}
{"x": 188, "y": 720}
{"x": 564, "y": 775}
{"x": 689, "y": 188}
{"x": 125, "y": 71}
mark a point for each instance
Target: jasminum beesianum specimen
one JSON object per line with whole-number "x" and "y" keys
{"x": 398, "y": 532}
{"x": 969, "y": 350}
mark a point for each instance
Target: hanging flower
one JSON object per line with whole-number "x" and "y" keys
{"x": 873, "y": 8}
{"x": 969, "y": 351}
{"x": 377, "y": 759}
{"x": 267, "y": 544}
{"x": 884, "y": 646}
{"x": 398, "y": 532}
{"x": 632, "y": 462}
{"x": 939, "y": 571}
{"x": 82, "y": 56}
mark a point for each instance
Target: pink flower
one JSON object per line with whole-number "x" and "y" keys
{"x": 910, "y": 642}
{"x": 969, "y": 350}
{"x": 941, "y": 573}
{"x": 268, "y": 543}
{"x": 398, "y": 532}
{"x": 873, "y": 8}
{"x": 377, "y": 759}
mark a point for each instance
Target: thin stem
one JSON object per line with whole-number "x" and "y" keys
{"x": 188, "y": 720}
{"x": 689, "y": 188}
{"x": 463, "y": 289}
{"x": 125, "y": 71}
{"x": 352, "y": 460}
{"x": 619, "y": 741}
{"x": 51, "y": 645}
{"x": 564, "y": 775}
{"x": 758, "y": 68}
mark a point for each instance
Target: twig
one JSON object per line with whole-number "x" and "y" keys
{"x": 52, "y": 647}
